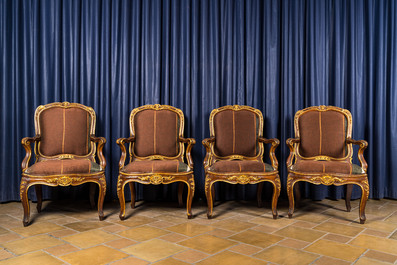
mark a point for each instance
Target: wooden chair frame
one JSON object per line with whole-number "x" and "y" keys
{"x": 29, "y": 180}
{"x": 326, "y": 178}
{"x": 156, "y": 178}
{"x": 244, "y": 177}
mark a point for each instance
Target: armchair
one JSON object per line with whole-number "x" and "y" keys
{"x": 156, "y": 152}
{"x": 322, "y": 153}
{"x": 65, "y": 148}
{"x": 235, "y": 153}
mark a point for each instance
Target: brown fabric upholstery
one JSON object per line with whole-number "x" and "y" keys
{"x": 236, "y": 133}
{"x": 323, "y": 133}
{"x": 156, "y": 133}
{"x": 64, "y": 131}
{"x": 240, "y": 166}
{"x": 65, "y": 166}
{"x": 167, "y": 166}
{"x": 332, "y": 167}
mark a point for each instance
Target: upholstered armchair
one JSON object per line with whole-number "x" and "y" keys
{"x": 65, "y": 148}
{"x": 156, "y": 153}
{"x": 322, "y": 153}
{"x": 235, "y": 153}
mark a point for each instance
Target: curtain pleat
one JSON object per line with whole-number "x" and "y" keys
{"x": 277, "y": 56}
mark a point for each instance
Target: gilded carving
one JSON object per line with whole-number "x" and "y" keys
{"x": 64, "y": 180}
{"x": 156, "y": 179}
{"x": 328, "y": 180}
{"x": 243, "y": 179}
{"x": 327, "y": 158}
{"x": 22, "y": 187}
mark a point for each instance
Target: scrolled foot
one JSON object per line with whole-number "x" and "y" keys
{"x": 275, "y": 216}
{"x": 25, "y": 223}
{"x": 209, "y": 216}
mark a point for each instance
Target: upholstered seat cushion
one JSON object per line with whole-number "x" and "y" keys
{"x": 65, "y": 166}
{"x": 332, "y": 167}
{"x": 240, "y": 166}
{"x": 166, "y": 166}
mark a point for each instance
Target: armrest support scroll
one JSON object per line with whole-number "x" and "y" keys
{"x": 291, "y": 144}
{"x": 363, "y": 145}
{"x": 101, "y": 142}
{"x": 26, "y": 144}
{"x": 120, "y": 142}
{"x": 191, "y": 142}
{"x": 274, "y": 142}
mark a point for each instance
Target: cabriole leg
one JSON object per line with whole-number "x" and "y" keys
{"x": 101, "y": 197}
{"x": 190, "y": 194}
{"x": 39, "y": 196}
{"x": 209, "y": 194}
{"x": 23, "y": 192}
{"x": 132, "y": 190}
{"x": 120, "y": 194}
{"x": 349, "y": 189}
{"x": 364, "y": 197}
{"x": 290, "y": 191}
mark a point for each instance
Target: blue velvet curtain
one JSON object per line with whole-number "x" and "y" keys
{"x": 277, "y": 56}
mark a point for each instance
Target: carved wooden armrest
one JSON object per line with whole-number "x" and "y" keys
{"x": 26, "y": 144}
{"x": 120, "y": 142}
{"x": 190, "y": 142}
{"x": 207, "y": 144}
{"x": 275, "y": 142}
{"x": 291, "y": 144}
{"x": 363, "y": 145}
{"x": 101, "y": 142}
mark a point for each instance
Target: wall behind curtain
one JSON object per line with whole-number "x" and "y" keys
{"x": 277, "y": 56}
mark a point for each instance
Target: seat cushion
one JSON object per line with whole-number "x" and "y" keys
{"x": 240, "y": 166}
{"x": 65, "y": 166}
{"x": 236, "y": 133}
{"x": 64, "y": 131}
{"x": 332, "y": 167}
{"x": 165, "y": 166}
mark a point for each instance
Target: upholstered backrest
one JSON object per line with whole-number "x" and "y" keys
{"x": 236, "y": 132}
{"x": 156, "y": 132}
{"x": 64, "y": 131}
{"x": 323, "y": 133}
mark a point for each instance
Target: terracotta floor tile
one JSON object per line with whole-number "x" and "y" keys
{"x": 293, "y": 243}
{"x": 173, "y": 237}
{"x": 61, "y": 249}
{"x": 234, "y": 225}
{"x": 191, "y": 256}
{"x": 337, "y": 238}
{"x": 35, "y": 258}
{"x": 86, "y": 225}
{"x": 33, "y": 243}
{"x": 278, "y": 223}
{"x": 170, "y": 261}
{"x": 4, "y": 254}
{"x": 376, "y": 243}
{"x": 392, "y": 218}
{"x": 207, "y": 243}
{"x": 64, "y": 220}
{"x": 381, "y": 256}
{"x": 143, "y": 233}
{"x": 153, "y": 250}
{"x": 37, "y": 228}
{"x": 9, "y": 237}
{"x": 172, "y": 219}
{"x": 305, "y": 224}
{"x": 245, "y": 249}
{"x": 256, "y": 238}
{"x": 162, "y": 224}
{"x": 330, "y": 261}
{"x": 190, "y": 229}
{"x": 231, "y": 258}
{"x": 131, "y": 261}
{"x": 94, "y": 256}
{"x": 265, "y": 229}
{"x": 221, "y": 232}
{"x": 373, "y": 232}
{"x": 284, "y": 255}
{"x": 345, "y": 230}
{"x": 114, "y": 228}
{"x": 90, "y": 238}
{"x": 7, "y": 221}
{"x": 63, "y": 232}
{"x": 336, "y": 250}
{"x": 393, "y": 236}
{"x": 3, "y": 231}
{"x": 310, "y": 217}
{"x": 135, "y": 221}
{"x": 300, "y": 233}
{"x": 120, "y": 243}
{"x": 368, "y": 261}
{"x": 381, "y": 225}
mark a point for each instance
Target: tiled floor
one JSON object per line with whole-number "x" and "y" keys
{"x": 240, "y": 233}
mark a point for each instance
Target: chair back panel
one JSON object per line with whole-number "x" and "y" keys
{"x": 323, "y": 133}
{"x": 236, "y": 133}
{"x": 64, "y": 131}
{"x": 156, "y": 133}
